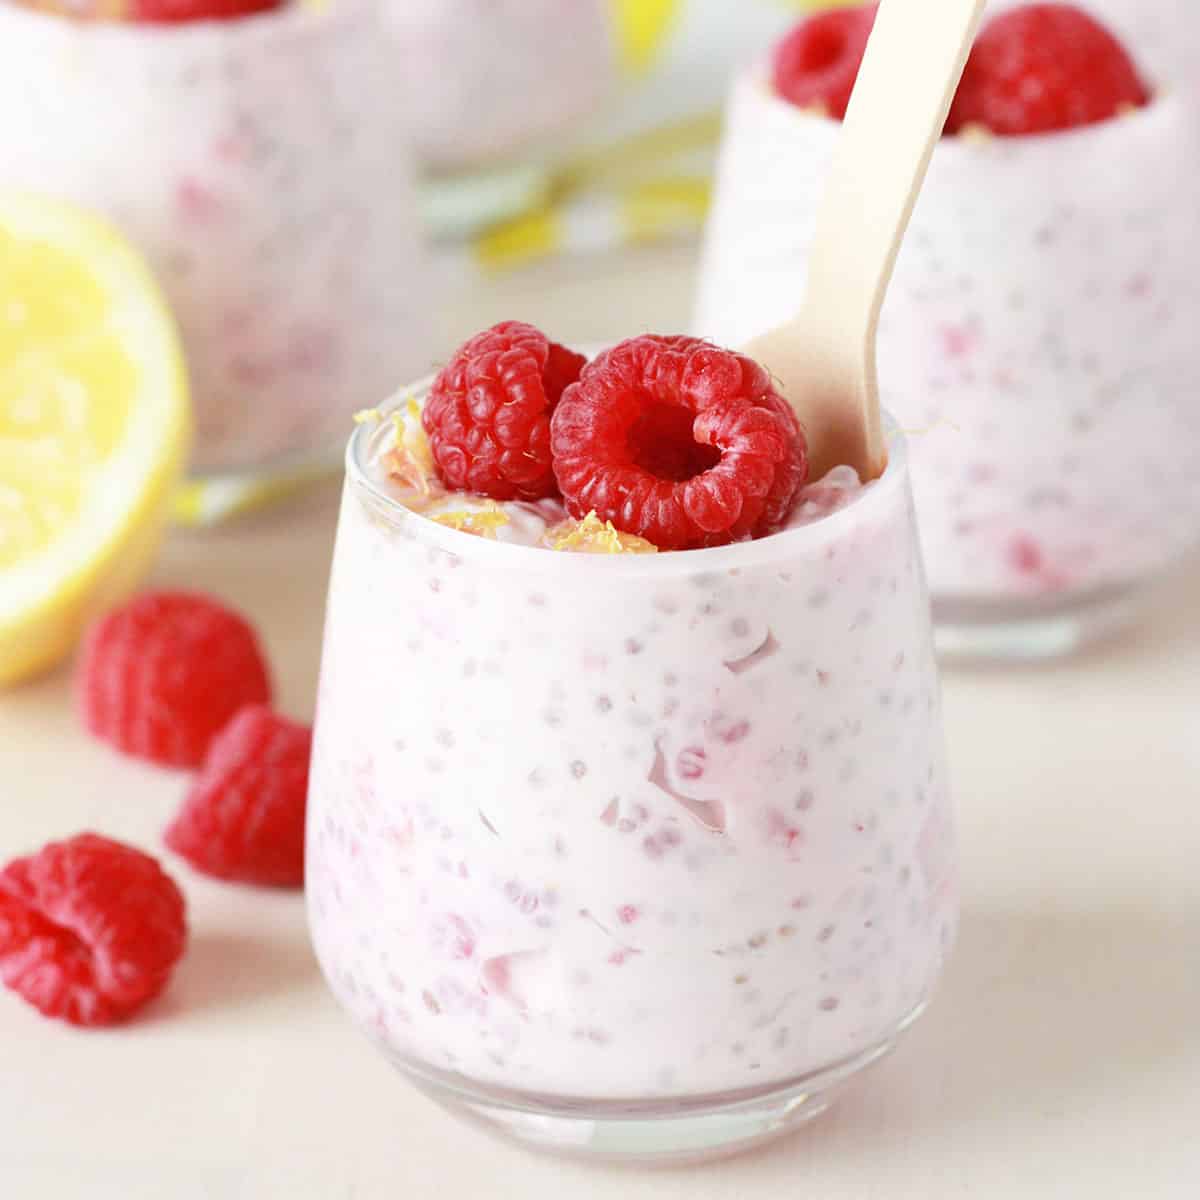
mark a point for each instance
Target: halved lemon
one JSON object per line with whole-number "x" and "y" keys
{"x": 94, "y": 425}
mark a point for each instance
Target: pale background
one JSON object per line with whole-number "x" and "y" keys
{"x": 1060, "y": 1059}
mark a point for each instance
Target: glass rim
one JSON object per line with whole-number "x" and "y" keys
{"x": 737, "y": 555}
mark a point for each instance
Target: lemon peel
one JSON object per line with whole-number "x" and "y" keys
{"x": 482, "y": 522}
{"x": 593, "y": 536}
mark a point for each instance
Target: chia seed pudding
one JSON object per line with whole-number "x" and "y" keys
{"x": 627, "y": 834}
{"x": 1037, "y": 344}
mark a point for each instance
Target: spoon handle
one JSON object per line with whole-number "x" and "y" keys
{"x": 905, "y": 87}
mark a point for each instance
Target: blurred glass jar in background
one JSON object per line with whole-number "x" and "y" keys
{"x": 260, "y": 165}
{"x": 483, "y": 80}
{"x": 1038, "y": 344}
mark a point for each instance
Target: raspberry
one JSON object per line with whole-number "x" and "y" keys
{"x": 678, "y": 442}
{"x": 90, "y": 929}
{"x": 176, "y": 11}
{"x": 154, "y": 12}
{"x": 1044, "y": 67}
{"x": 160, "y": 677}
{"x": 817, "y": 63}
{"x": 488, "y": 412}
{"x": 244, "y": 817}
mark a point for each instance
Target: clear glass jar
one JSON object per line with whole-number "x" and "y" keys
{"x": 260, "y": 166}
{"x": 483, "y": 80}
{"x": 635, "y": 857}
{"x": 1038, "y": 345}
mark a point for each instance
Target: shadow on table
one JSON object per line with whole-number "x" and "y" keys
{"x": 1040, "y": 1012}
{"x": 227, "y": 970}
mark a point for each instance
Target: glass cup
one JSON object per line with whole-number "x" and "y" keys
{"x": 259, "y": 165}
{"x": 484, "y": 80}
{"x": 637, "y": 857}
{"x": 1038, "y": 344}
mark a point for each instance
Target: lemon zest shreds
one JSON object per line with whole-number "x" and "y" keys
{"x": 976, "y": 134}
{"x": 593, "y": 536}
{"x": 483, "y": 522}
{"x": 409, "y": 462}
{"x": 405, "y": 471}
{"x": 411, "y": 435}
{"x": 365, "y": 415}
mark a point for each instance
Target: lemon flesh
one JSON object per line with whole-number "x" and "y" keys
{"x": 94, "y": 425}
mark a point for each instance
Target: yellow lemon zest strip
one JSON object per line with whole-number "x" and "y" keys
{"x": 976, "y": 134}
{"x": 594, "y": 536}
{"x": 482, "y": 522}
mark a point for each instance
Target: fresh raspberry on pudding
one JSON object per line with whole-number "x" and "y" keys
{"x": 1034, "y": 69}
{"x": 488, "y": 412}
{"x": 815, "y": 66}
{"x": 90, "y": 929}
{"x": 678, "y": 442}
{"x": 1042, "y": 68}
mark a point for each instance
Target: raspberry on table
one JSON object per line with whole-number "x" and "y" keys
{"x": 160, "y": 677}
{"x": 816, "y": 64}
{"x": 1045, "y": 67}
{"x": 488, "y": 412}
{"x": 90, "y": 929}
{"x": 678, "y": 442}
{"x": 243, "y": 819}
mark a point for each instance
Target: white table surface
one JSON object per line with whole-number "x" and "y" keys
{"x": 1061, "y": 1057}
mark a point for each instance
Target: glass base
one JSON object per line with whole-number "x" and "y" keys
{"x": 207, "y": 498}
{"x": 655, "y": 1132}
{"x": 1028, "y": 629}
{"x": 462, "y": 204}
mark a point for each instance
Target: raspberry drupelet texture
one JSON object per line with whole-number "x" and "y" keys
{"x": 244, "y": 817}
{"x": 1045, "y": 67}
{"x": 90, "y": 929}
{"x": 160, "y": 677}
{"x": 678, "y": 442}
{"x": 816, "y": 64}
{"x": 488, "y": 412}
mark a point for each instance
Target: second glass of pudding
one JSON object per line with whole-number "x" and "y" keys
{"x": 638, "y": 856}
{"x": 259, "y": 164}
{"x": 1038, "y": 346}
{"x": 484, "y": 81}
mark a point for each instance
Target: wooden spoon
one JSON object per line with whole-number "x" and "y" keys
{"x": 824, "y": 357}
